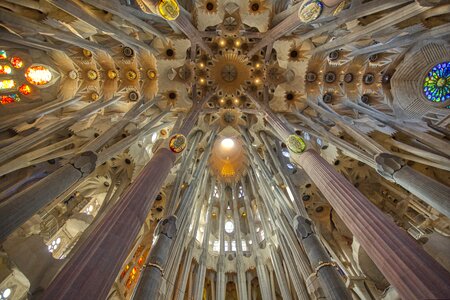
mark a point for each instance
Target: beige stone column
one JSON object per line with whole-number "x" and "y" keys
{"x": 434, "y": 193}
{"x": 414, "y": 273}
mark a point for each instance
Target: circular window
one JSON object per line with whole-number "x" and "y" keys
{"x": 229, "y": 226}
{"x": 348, "y": 78}
{"x": 369, "y": 78}
{"x": 38, "y": 75}
{"x": 333, "y": 55}
{"x": 128, "y": 52}
{"x": 327, "y": 98}
{"x": 330, "y": 77}
{"x": 436, "y": 86}
{"x": 311, "y": 77}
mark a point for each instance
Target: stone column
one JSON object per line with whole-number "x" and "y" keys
{"x": 205, "y": 246}
{"x": 332, "y": 284}
{"x": 92, "y": 270}
{"x": 241, "y": 286}
{"x": 220, "y": 288}
{"x": 434, "y": 193}
{"x": 22, "y": 206}
{"x": 414, "y": 273}
{"x": 152, "y": 275}
{"x": 272, "y": 283}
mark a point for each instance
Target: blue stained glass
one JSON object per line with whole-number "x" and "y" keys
{"x": 436, "y": 86}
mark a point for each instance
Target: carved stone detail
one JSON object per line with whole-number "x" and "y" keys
{"x": 388, "y": 164}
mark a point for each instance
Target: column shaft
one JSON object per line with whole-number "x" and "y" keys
{"x": 92, "y": 270}
{"x": 434, "y": 193}
{"x": 414, "y": 273}
{"x": 152, "y": 275}
{"x": 332, "y": 284}
{"x": 22, "y": 206}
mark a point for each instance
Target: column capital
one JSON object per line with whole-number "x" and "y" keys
{"x": 167, "y": 226}
{"x": 85, "y": 162}
{"x": 388, "y": 165}
{"x": 302, "y": 226}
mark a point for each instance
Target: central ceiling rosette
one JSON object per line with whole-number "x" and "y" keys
{"x": 230, "y": 72}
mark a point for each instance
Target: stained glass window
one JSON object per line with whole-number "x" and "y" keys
{"x": 7, "y": 84}
{"x": 38, "y": 75}
{"x": 437, "y": 83}
{"x": 25, "y": 89}
{"x": 5, "y": 69}
{"x": 3, "y": 54}
{"x": 16, "y": 62}
{"x": 6, "y": 99}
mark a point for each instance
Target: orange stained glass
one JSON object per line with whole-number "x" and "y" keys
{"x": 3, "y": 54}
{"x": 7, "y": 84}
{"x": 124, "y": 272}
{"x": 5, "y": 69}
{"x": 129, "y": 282}
{"x": 25, "y": 89}
{"x": 6, "y": 99}
{"x": 141, "y": 260}
{"x": 16, "y": 62}
{"x": 38, "y": 75}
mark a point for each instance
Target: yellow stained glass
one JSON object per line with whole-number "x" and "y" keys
{"x": 7, "y": 84}
{"x": 5, "y": 69}
{"x": 169, "y": 9}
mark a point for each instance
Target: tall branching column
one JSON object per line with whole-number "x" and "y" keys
{"x": 332, "y": 284}
{"x": 434, "y": 193}
{"x": 262, "y": 275}
{"x": 220, "y": 289}
{"x": 152, "y": 275}
{"x": 205, "y": 246}
{"x": 414, "y": 273}
{"x": 92, "y": 270}
{"x": 242, "y": 288}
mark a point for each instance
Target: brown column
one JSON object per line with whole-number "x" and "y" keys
{"x": 414, "y": 273}
{"x": 92, "y": 270}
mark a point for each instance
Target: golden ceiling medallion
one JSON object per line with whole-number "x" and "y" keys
{"x": 151, "y": 74}
{"x": 112, "y": 74}
{"x": 230, "y": 71}
{"x": 92, "y": 74}
{"x": 95, "y": 96}
{"x": 87, "y": 53}
{"x": 131, "y": 75}
{"x": 310, "y": 11}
